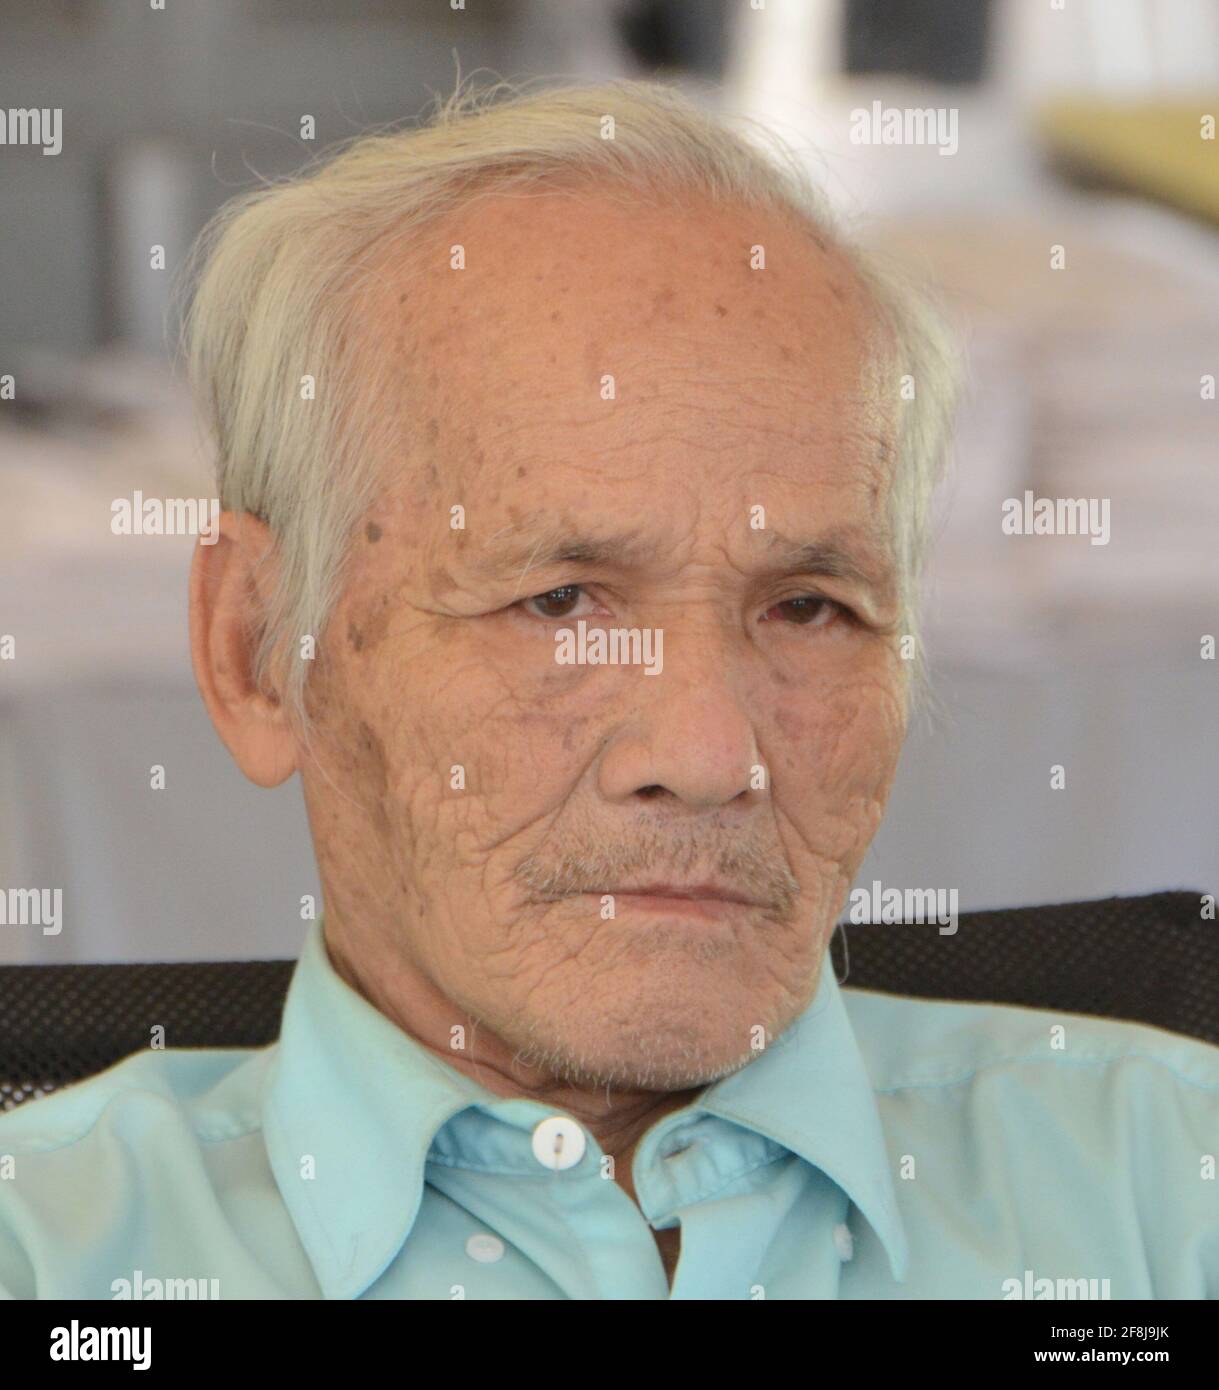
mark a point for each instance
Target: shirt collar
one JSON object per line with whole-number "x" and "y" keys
{"x": 353, "y": 1105}
{"x": 810, "y": 1092}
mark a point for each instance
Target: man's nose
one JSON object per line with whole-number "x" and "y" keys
{"x": 691, "y": 734}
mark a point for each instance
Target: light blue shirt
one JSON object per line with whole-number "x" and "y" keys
{"x": 882, "y": 1148}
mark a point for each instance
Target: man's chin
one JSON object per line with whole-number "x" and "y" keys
{"x": 649, "y": 1071}
{"x": 662, "y": 1048}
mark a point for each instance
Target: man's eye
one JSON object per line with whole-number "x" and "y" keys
{"x": 556, "y": 603}
{"x": 809, "y": 610}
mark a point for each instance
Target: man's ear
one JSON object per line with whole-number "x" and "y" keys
{"x": 229, "y": 582}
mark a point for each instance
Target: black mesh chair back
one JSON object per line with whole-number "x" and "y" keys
{"x": 1151, "y": 959}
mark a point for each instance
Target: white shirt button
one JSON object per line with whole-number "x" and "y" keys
{"x": 844, "y": 1242}
{"x": 559, "y": 1143}
{"x": 485, "y": 1248}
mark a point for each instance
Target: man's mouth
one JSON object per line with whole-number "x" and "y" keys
{"x": 716, "y": 892}
{"x": 705, "y": 900}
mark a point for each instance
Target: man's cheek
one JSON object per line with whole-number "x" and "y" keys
{"x": 839, "y": 729}
{"x": 845, "y": 755}
{"x": 535, "y": 745}
{"x": 861, "y": 730}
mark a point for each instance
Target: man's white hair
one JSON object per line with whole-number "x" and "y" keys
{"x": 277, "y": 278}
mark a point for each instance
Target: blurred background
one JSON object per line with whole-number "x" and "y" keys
{"x": 1079, "y": 125}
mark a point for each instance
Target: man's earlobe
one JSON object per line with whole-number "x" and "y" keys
{"x": 229, "y": 584}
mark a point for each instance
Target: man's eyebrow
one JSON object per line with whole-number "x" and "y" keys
{"x": 519, "y": 553}
{"x": 833, "y": 556}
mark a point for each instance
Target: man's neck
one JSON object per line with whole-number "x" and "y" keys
{"x": 617, "y": 1118}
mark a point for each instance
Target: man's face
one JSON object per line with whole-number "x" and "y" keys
{"x": 491, "y": 817}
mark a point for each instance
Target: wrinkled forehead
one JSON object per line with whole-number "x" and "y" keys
{"x": 535, "y": 332}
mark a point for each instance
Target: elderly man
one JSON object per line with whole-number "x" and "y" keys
{"x": 576, "y": 477}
